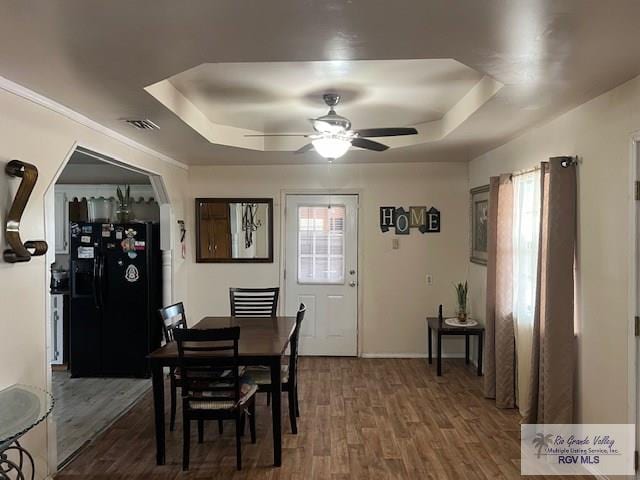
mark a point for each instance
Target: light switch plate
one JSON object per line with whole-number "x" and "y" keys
{"x": 395, "y": 243}
{"x": 429, "y": 279}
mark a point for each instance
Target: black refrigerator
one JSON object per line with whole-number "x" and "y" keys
{"x": 116, "y": 290}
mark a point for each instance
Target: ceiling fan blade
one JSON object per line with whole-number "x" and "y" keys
{"x": 305, "y": 148}
{"x": 280, "y": 135}
{"x": 386, "y": 132}
{"x": 368, "y": 144}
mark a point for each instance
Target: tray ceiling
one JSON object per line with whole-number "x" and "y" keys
{"x": 97, "y": 58}
{"x": 225, "y": 102}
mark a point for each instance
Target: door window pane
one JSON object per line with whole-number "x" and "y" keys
{"x": 321, "y": 244}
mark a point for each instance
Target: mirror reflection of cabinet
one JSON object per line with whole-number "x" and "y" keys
{"x": 234, "y": 230}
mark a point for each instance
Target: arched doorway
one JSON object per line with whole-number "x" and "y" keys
{"x": 84, "y": 176}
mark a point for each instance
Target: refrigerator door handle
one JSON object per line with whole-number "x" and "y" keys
{"x": 102, "y": 283}
{"x": 96, "y": 282}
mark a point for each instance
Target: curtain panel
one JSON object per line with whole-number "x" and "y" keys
{"x": 500, "y": 367}
{"x": 553, "y": 350}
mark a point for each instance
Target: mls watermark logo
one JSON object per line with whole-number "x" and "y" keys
{"x": 577, "y": 449}
{"x": 541, "y": 441}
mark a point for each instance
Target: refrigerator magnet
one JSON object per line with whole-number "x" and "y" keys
{"x": 107, "y": 228}
{"x": 129, "y": 243}
{"x": 85, "y": 239}
{"x": 87, "y": 229}
{"x": 85, "y": 252}
{"x": 139, "y": 245}
{"x": 132, "y": 274}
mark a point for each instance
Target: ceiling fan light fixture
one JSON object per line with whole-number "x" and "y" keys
{"x": 331, "y": 147}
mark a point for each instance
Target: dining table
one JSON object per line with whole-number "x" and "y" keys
{"x": 263, "y": 342}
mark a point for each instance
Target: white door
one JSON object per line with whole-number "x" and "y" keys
{"x": 321, "y": 271}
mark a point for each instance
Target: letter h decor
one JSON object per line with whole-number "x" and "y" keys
{"x": 19, "y": 251}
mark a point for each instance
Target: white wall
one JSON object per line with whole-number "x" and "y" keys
{"x": 38, "y": 135}
{"x": 395, "y": 296}
{"x": 599, "y": 132}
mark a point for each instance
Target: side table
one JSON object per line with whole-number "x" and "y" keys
{"x": 441, "y": 329}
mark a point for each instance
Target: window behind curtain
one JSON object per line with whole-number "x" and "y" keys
{"x": 526, "y": 223}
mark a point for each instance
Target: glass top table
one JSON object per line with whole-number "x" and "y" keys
{"x": 22, "y": 407}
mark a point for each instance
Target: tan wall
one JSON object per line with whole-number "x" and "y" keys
{"x": 395, "y": 296}
{"x": 37, "y": 135}
{"x": 600, "y": 133}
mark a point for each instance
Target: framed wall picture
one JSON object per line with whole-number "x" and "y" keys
{"x": 479, "y": 224}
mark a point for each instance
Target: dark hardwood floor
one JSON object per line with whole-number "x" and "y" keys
{"x": 360, "y": 419}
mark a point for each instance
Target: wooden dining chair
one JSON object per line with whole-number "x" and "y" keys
{"x": 227, "y": 398}
{"x": 289, "y": 374}
{"x": 172, "y": 318}
{"x": 254, "y": 302}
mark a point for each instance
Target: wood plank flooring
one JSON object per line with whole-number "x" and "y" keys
{"x": 360, "y": 419}
{"x": 86, "y": 406}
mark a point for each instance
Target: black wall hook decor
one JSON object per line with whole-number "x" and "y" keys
{"x": 19, "y": 251}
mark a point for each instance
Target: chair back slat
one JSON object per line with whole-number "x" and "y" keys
{"x": 193, "y": 345}
{"x": 172, "y": 317}
{"x": 293, "y": 357}
{"x": 254, "y": 302}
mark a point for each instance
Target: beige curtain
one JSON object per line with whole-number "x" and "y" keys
{"x": 499, "y": 374}
{"x": 553, "y": 352}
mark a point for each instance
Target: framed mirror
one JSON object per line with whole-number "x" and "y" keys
{"x": 234, "y": 230}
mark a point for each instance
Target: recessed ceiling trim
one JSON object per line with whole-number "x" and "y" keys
{"x": 184, "y": 108}
{"x": 23, "y": 92}
{"x": 475, "y": 98}
{"x": 174, "y": 100}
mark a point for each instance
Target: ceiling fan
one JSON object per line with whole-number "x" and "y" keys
{"x": 332, "y": 136}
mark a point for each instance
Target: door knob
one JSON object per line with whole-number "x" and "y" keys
{"x": 352, "y": 283}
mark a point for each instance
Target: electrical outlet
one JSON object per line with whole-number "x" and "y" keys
{"x": 395, "y": 243}
{"x": 429, "y": 279}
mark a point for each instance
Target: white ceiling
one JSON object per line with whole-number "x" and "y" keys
{"x": 97, "y": 58}
{"x": 281, "y": 96}
{"x": 233, "y": 104}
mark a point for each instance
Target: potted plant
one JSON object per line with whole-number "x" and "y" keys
{"x": 123, "y": 204}
{"x": 461, "y": 296}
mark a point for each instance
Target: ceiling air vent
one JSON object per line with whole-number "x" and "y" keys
{"x": 142, "y": 124}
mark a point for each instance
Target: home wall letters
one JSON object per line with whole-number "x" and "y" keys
{"x": 426, "y": 221}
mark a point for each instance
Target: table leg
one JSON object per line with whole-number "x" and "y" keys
{"x": 17, "y": 466}
{"x": 439, "y": 355}
{"x": 480, "y": 341}
{"x": 466, "y": 349}
{"x": 429, "y": 343}
{"x": 276, "y": 411}
{"x": 157, "y": 378}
